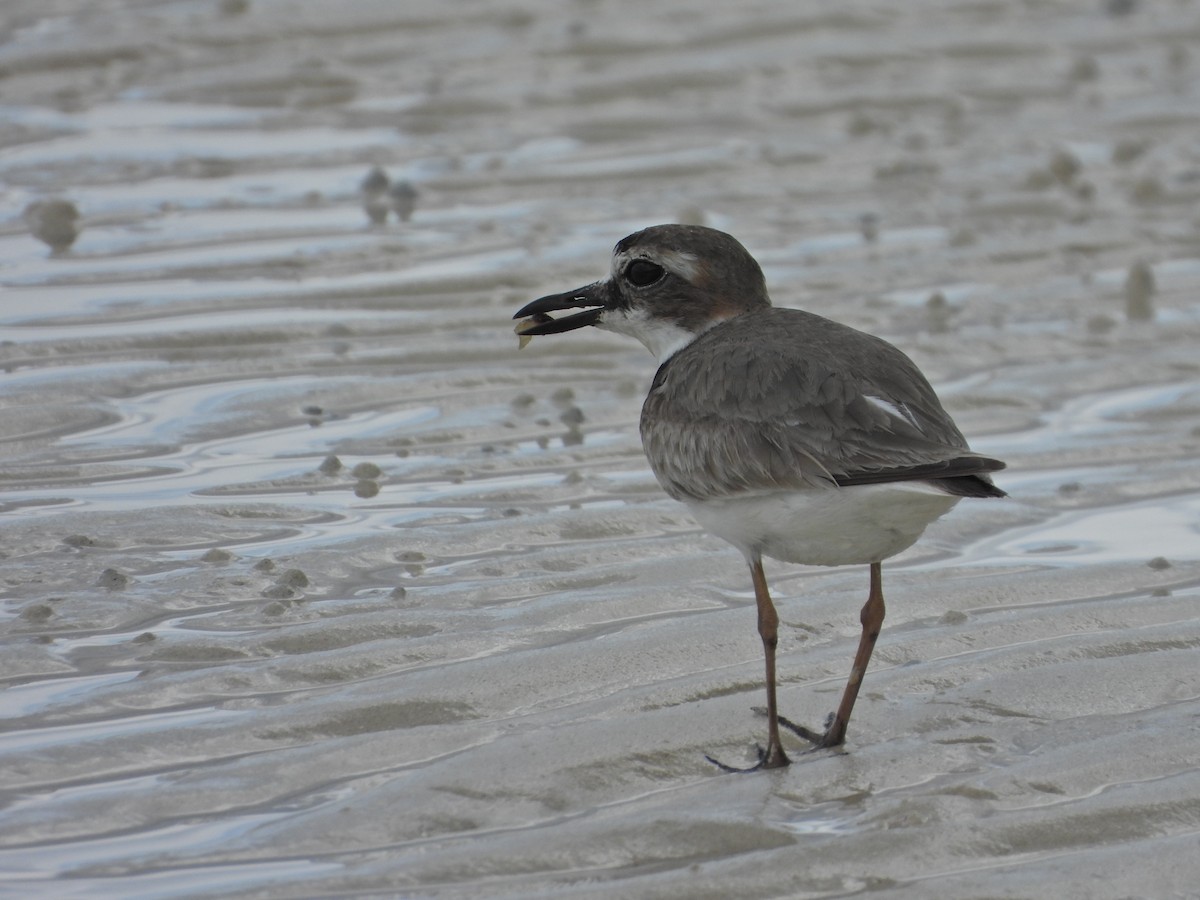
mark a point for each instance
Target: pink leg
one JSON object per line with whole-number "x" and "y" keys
{"x": 768, "y": 630}
{"x": 872, "y": 621}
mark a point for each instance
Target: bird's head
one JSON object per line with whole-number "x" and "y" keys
{"x": 667, "y": 285}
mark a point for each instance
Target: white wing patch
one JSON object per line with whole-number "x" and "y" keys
{"x": 895, "y": 410}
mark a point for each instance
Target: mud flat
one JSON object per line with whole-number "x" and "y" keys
{"x": 311, "y": 585}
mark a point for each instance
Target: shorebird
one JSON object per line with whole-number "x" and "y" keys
{"x": 53, "y": 222}
{"x": 373, "y": 190}
{"x": 403, "y": 197}
{"x": 785, "y": 433}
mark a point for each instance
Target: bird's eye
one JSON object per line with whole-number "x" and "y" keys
{"x": 642, "y": 272}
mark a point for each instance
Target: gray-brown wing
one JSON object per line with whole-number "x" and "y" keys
{"x": 783, "y": 398}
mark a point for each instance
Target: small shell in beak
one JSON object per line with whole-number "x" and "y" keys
{"x": 526, "y": 324}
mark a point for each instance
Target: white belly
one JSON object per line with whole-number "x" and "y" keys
{"x": 826, "y": 527}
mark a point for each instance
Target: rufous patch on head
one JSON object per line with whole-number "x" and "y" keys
{"x": 721, "y": 305}
{"x": 723, "y": 311}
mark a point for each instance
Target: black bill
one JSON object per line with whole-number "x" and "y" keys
{"x": 593, "y": 295}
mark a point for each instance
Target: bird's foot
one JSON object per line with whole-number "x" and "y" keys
{"x": 775, "y": 759}
{"x": 832, "y": 736}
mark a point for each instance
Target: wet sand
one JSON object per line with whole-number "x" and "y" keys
{"x": 312, "y": 585}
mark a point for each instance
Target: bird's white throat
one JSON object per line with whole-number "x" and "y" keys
{"x": 661, "y": 337}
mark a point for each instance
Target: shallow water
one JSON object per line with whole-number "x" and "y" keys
{"x": 485, "y": 655}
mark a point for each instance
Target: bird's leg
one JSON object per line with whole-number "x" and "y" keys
{"x": 872, "y": 621}
{"x": 768, "y": 629}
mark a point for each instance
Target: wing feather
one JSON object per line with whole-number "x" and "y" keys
{"x": 781, "y": 398}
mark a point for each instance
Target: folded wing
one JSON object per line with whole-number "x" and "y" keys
{"x": 788, "y": 399}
